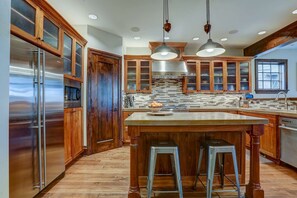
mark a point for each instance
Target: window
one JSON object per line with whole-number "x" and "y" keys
{"x": 271, "y": 75}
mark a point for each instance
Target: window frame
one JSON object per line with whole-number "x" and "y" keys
{"x": 271, "y": 91}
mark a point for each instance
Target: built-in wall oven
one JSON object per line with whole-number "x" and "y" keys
{"x": 72, "y": 94}
{"x": 288, "y": 130}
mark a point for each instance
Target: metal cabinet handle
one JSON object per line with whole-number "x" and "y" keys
{"x": 288, "y": 128}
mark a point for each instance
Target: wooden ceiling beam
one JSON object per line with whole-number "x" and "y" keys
{"x": 280, "y": 38}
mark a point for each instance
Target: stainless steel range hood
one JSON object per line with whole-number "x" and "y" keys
{"x": 178, "y": 67}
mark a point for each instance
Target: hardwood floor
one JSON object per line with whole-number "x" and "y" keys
{"x": 106, "y": 174}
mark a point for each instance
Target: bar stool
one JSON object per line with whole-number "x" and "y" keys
{"x": 164, "y": 148}
{"x": 220, "y": 147}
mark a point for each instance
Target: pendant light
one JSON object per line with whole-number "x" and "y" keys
{"x": 164, "y": 52}
{"x": 210, "y": 48}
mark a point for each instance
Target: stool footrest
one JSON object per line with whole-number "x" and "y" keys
{"x": 167, "y": 191}
{"x": 225, "y": 190}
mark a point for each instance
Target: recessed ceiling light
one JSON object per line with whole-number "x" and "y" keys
{"x": 294, "y": 12}
{"x": 136, "y": 37}
{"x": 166, "y": 37}
{"x": 262, "y": 32}
{"x": 135, "y": 29}
{"x": 93, "y": 16}
{"x": 233, "y": 31}
{"x": 224, "y": 39}
{"x": 195, "y": 38}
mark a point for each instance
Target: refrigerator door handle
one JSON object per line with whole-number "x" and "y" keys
{"x": 43, "y": 116}
{"x": 39, "y": 120}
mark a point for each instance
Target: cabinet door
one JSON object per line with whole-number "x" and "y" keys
{"x": 268, "y": 140}
{"x": 68, "y": 135}
{"x": 51, "y": 35}
{"x": 205, "y": 79}
{"x": 23, "y": 19}
{"x": 77, "y": 136}
{"x": 131, "y": 78}
{"x": 145, "y": 76}
{"x": 231, "y": 76}
{"x": 78, "y": 60}
{"x": 67, "y": 54}
{"x": 191, "y": 80}
{"x": 218, "y": 76}
{"x": 245, "y": 78}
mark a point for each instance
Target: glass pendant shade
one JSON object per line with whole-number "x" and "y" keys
{"x": 164, "y": 52}
{"x": 210, "y": 48}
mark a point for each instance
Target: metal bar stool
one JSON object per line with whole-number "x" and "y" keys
{"x": 164, "y": 148}
{"x": 213, "y": 148}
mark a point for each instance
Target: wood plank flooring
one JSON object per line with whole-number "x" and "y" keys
{"x": 106, "y": 175}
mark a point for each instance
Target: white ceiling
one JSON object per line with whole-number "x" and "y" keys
{"x": 186, "y": 16}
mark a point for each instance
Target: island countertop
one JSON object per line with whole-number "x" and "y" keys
{"x": 192, "y": 118}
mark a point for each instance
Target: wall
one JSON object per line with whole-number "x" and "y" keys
{"x": 100, "y": 40}
{"x": 4, "y": 95}
{"x": 289, "y": 54}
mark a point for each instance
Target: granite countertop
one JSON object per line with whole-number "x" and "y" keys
{"x": 279, "y": 112}
{"x": 192, "y": 118}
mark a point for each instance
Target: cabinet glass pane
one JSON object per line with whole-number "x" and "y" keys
{"x": 231, "y": 76}
{"x": 204, "y": 76}
{"x": 131, "y": 75}
{"x": 67, "y": 54}
{"x": 191, "y": 79}
{"x": 244, "y": 75}
{"x": 78, "y": 60}
{"x": 218, "y": 76}
{"x": 191, "y": 84}
{"x": 50, "y": 33}
{"x": 23, "y": 16}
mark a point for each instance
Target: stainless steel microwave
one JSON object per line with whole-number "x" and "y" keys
{"x": 72, "y": 94}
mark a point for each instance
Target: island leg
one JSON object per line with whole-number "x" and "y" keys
{"x": 253, "y": 189}
{"x": 134, "y": 191}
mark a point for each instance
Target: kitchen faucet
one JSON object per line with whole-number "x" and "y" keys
{"x": 285, "y": 94}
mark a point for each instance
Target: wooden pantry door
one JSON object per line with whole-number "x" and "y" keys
{"x": 104, "y": 101}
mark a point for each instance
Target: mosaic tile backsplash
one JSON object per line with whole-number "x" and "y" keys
{"x": 169, "y": 92}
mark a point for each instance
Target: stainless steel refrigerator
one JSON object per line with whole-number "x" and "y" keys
{"x": 36, "y": 119}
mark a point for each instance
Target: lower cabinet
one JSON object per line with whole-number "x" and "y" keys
{"x": 73, "y": 133}
{"x": 125, "y": 135}
{"x": 269, "y": 141}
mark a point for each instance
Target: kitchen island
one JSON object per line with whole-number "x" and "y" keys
{"x": 188, "y": 130}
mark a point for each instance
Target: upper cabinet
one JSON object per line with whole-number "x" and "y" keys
{"x": 138, "y": 74}
{"x": 217, "y": 75}
{"x": 29, "y": 22}
{"x": 40, "y": 24}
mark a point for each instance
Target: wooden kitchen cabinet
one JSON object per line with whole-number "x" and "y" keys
{"x": 73, "y": 133}
{"x": 217, "y": 75}
{"x": 31, "y": 23}
{"x": 73, "y": 58}
{"x": 138, "y": 74}
{"x": 270, "y": 140}
{"x": 40, "y": 24}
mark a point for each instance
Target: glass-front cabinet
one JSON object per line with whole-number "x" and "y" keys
{"x": 204, "y": 75}
{"x": 232, "y": 76}
{"x": 190, "y": 80}
{"x": 131, "y": 73}
{"x": 51, "y": 34}
{"x": 145, "y": 76}
{"x": 67, "y": 54}
{"x": 218, "y": 75}
{"x": 244, "y": 76}
{"x": 78, "y": 61}
{"x": 29, "y": 22}
{"x": 138, "y": 75}
{"x": 73, "y": 61}
{"x": 23, "y": 18}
